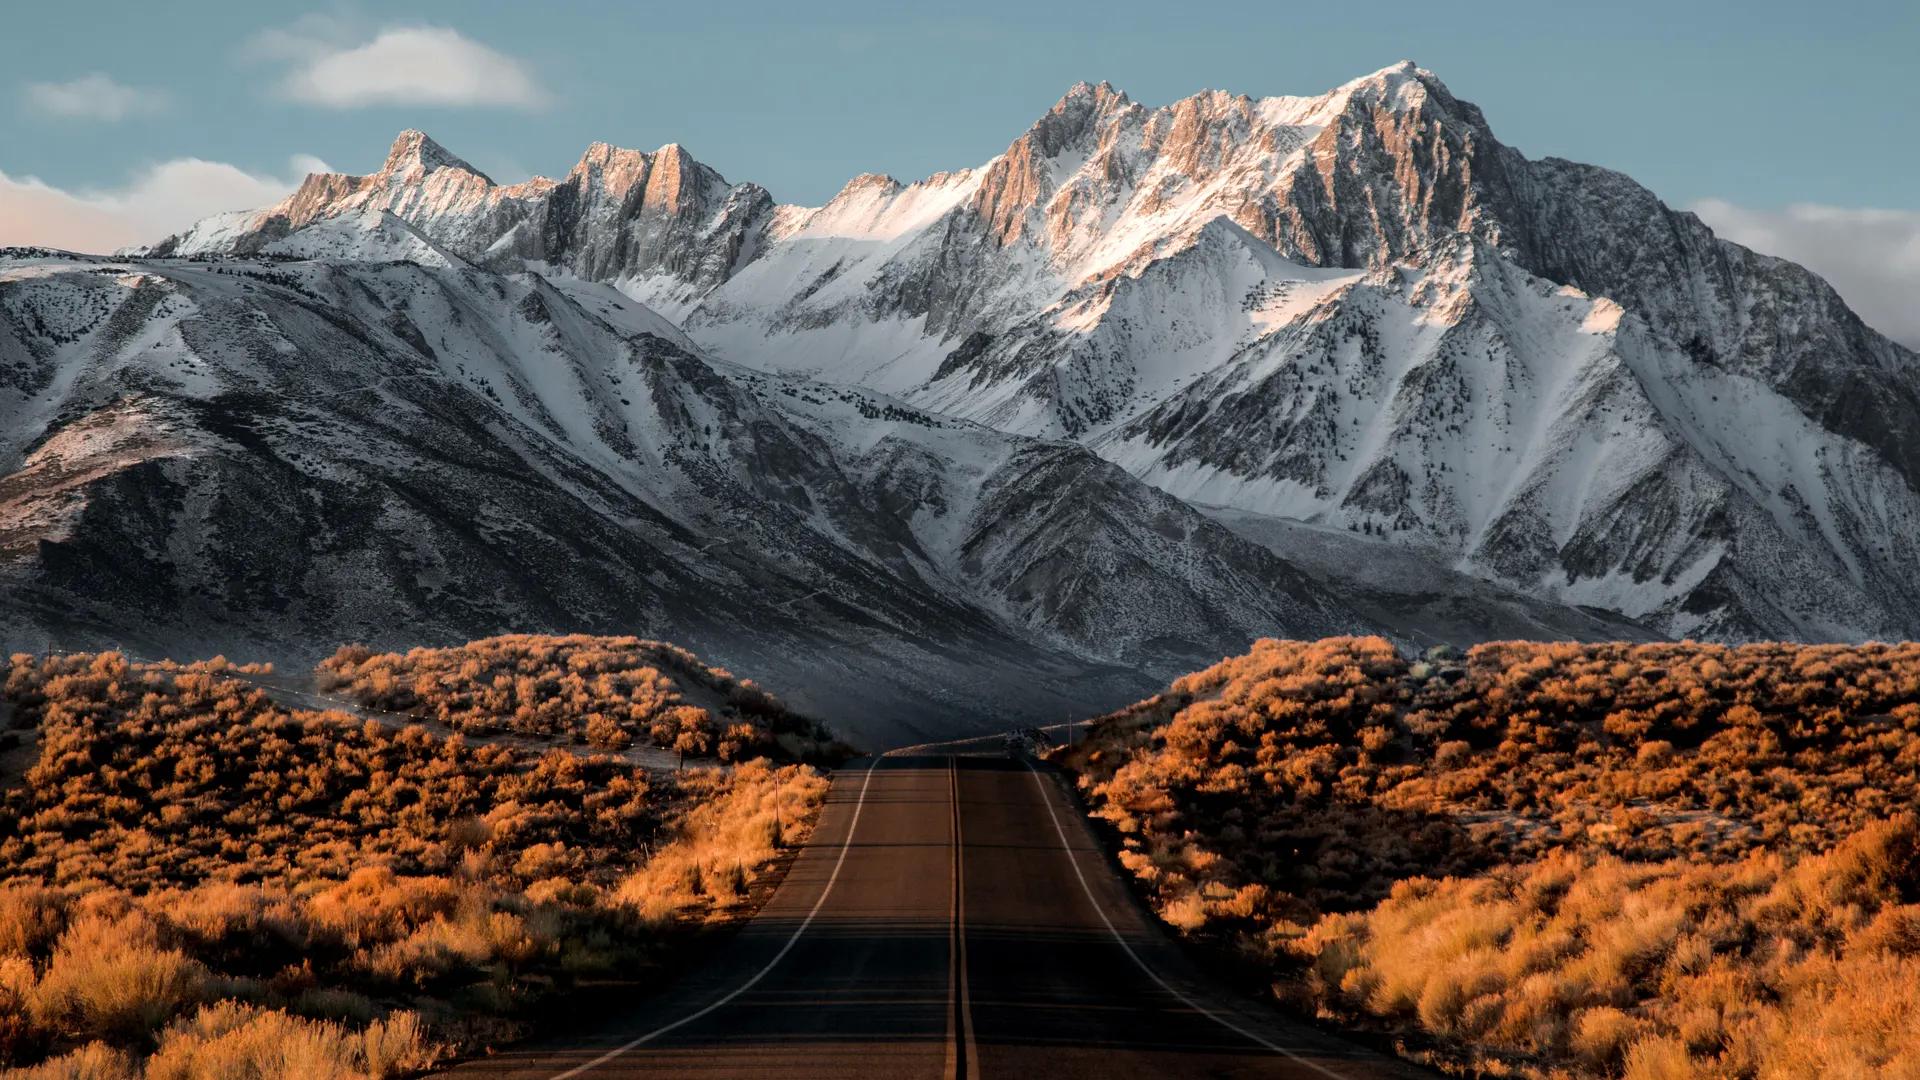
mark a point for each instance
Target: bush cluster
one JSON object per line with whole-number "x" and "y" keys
{"x": 195, "y": 881}
{"x": 605, "y": 691}
{"x": 1662, "y": 860}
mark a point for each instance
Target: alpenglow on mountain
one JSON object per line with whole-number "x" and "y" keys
{"x": 1148, "y": 383}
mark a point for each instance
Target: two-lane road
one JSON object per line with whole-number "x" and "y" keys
{"x": 950, "y": 918}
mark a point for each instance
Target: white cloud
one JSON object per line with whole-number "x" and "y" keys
{"x": 400, "y": 65}
{"x": 161, "y": 200}
{"x": 1871, "y": 257}
{"x": 93, "y": 97}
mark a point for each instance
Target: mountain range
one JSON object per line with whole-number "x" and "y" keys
{"x": 996, "y": 444}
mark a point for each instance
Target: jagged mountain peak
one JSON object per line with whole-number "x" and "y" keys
{"x": 1408, "y": 88}
{"x": 670, "y": 173}
{"x": 599, "y": 153}
{"x": 1398, "y": 86}
{"x": 866, "y": 185}
{"x": 1160, "y": 172}
{"x": 1396, "y": 75}
{"x": 1083, "y": 93}
{"x": 604, "y": 159}
{"x": 1080, "y": 110}
{"x": 415, "y": 155}
{"x": 1404, "y": 83}
{"x": 1401, "y": 84}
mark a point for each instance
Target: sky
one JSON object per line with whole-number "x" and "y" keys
{"x": 1787, "y": 125}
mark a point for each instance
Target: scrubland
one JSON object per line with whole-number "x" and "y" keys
{"x": 1544, "y": 860}
{"x": 609, "y": 692}
{"x": 196, "y": 881}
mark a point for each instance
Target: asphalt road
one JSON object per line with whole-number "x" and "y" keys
{"x": 951, "y": 917}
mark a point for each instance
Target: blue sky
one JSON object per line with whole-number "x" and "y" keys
{"x": 1758, "y": 106}
{"x": 1763, "y": 103}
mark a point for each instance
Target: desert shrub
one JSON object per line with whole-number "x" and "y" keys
{"x": 195, "y": 881}
{"x": 94, "y": 1061}
{"x": 604, "y": 691}
{"x": 1615, "y": 859}
{"x": 31, "y": 919}
{"x": 109, "y": 978}
{"x": 233, "y": 1040}
{"x": 154, "y": 776}
{"x": 726, "y": 836}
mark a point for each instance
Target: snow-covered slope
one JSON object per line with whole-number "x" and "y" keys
{"x": 273, "y": 456}
{"x": 1358, "y": 310}
{"x": 1417, "y": 592}
{"x": 1533, "y": 435}
{"x": 372, "y": 235}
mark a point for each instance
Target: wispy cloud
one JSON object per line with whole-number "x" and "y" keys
{"x": 1871, "y": 257}
{"x": 95, "y": 96}
{"x": 160, "y": 200}
{"x": 332, "y": 67}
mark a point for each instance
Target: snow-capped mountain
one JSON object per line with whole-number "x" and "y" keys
{"x": 619, "y": 214}
{"x": 1358, "y": 311}
{"x": 274, "y": 456}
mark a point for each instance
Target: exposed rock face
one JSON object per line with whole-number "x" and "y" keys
{"x": 1358, "y": 311}
{"x": 618, "y": 213}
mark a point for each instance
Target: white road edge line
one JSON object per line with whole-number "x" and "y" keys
{"x": 960, "y": 996}
{"x": 951, "y": 1070}
{"x": 1047, "y": 800}
{"x": 845, "y": 846}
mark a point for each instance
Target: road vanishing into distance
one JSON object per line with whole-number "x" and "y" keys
{"x": 951, "y": 917}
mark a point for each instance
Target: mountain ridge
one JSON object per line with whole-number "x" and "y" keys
{"x": 275, "y": 456}
{"x": 1262, "y": 304}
